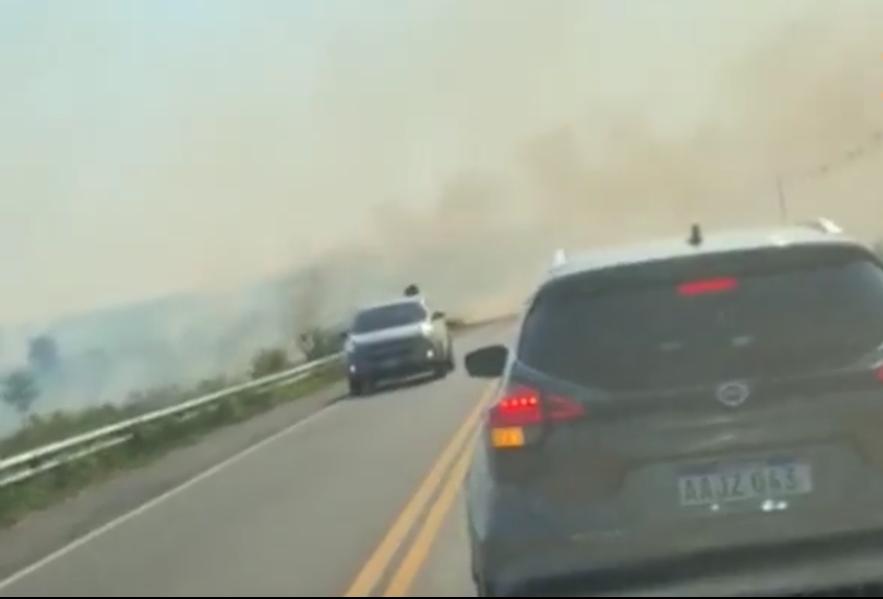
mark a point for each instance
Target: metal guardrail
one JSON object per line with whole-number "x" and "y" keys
{"x": 25, "y": 465}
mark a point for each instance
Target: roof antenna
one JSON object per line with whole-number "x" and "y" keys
{"x": 695, "y": 236}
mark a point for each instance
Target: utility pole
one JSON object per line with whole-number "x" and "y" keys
{"x": 783, "y": 201}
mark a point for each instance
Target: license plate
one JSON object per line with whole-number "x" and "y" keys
{"x": 743, "y": 483}
{"x": 390, "y": 363}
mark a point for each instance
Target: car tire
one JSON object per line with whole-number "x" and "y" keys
{"x": 452, "y": 361}
{"x": 357, "y": 387}
{"x": 484, "y": 588}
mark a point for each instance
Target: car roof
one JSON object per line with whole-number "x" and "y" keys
{"x": 712, "y": 243}
{"x": 414, "y": 299}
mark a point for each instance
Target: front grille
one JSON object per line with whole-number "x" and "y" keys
{"x": 395, "y": 349}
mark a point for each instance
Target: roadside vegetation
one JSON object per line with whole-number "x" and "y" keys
{"x": 20, "y": 389}
{"x": 149, "y": 442}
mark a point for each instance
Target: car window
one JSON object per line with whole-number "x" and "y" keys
{"x": 388, "y": 316}
{"x": 755, "y": 315}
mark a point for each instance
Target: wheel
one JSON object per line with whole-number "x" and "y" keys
{"x": 357, "y": 387}
{"x": 484, "y": 588}
{"x": 452, "y": 361}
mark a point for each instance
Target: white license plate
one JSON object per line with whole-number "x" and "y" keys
{"x": 742, "y": 483}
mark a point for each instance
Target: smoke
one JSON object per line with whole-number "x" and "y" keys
{"x": 455, "y": 145}
{"x": 796, "y": 98}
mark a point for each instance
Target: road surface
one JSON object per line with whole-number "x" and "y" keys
{"x": 359, "y": 497}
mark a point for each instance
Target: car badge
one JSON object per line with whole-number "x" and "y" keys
{"x": 733, "y": 394}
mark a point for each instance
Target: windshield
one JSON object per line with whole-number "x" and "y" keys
{"x": 656, "y": 326}
{"x": 441, "y": 297}
{"x": 387, "y": 317}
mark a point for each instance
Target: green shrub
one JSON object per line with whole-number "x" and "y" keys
{"x": 269, "y": 361}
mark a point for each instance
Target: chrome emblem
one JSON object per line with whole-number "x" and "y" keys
{"x": 733, "y": 394}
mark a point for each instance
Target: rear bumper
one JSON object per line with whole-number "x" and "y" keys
{"x": 801, "y": 550}
{"x": 790, "y": 568}
{"x": 526, "y": 528}
{"x": 377, "y": 370}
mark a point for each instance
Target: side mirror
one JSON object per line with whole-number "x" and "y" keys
{"x": 344, "y": 335}
{"x": 487, "y": 362}
{"x": 438, "y": 315}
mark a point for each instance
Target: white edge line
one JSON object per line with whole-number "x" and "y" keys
{"x": 93, "y": 534}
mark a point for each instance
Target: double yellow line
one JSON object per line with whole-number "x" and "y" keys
{"x": 457, "y": 452}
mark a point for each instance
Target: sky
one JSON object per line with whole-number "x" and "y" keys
{"x": 154, "y": 147}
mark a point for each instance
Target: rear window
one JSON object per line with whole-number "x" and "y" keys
{"x": 707, "y": 319}
{"x": 385, "y": 317}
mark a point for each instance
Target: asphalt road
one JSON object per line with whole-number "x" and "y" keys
{"x": 360, "y": 497}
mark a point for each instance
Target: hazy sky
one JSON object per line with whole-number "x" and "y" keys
{"x": 155, "y": 146}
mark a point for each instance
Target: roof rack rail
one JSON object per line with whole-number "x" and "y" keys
{"x": 825, "y": 225}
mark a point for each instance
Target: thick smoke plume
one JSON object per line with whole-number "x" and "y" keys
{"x": 458, "y": 147}
{"x": 798, "y": 102}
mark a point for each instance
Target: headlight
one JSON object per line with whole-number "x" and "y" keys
{"x": 426, "y": 329}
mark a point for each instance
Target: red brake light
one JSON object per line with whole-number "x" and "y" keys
{"x": 878, "y": 372}
{"x": 525, "y": 406}
{"x": 706, "y": 286}
{"x": 518, "y": 407}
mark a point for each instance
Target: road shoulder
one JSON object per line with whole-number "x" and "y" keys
{"x": 41, "y": 533}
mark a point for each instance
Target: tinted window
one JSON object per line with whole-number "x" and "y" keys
{"x": 710, "y": 319}
{"x": 385, "y": 317}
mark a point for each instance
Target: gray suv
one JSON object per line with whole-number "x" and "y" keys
{"x": 397, "y": 339}
{"x": 703, "y": 412}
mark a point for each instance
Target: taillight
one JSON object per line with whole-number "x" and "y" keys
{"x": 707, "y": 286}
{"x": 523, "y": 407}
{"x": 878, "y": 372}
{"x": 518, "y": 407}
{"x": 563, "y": 408}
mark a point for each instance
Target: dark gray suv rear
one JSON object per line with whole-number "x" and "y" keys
{"x": 678, "y": 410}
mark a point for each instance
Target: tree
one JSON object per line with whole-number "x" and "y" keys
{"x": 43, "y": 354}
{"x": 20, "y": 391}
{"x": 269, "y": 361}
